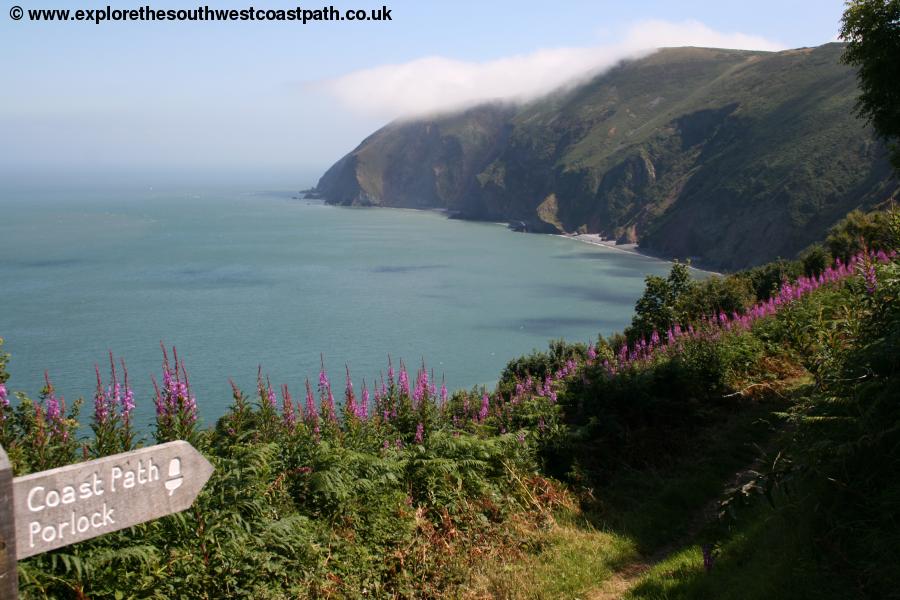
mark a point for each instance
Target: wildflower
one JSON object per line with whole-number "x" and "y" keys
{"x": 623, "y": 355}
{"x": 188, "y": 400}
{"x": 419, "y": 390}
{"x": 363, "y": 409}
{"x": 53, "y": 403}
{"x": 324, "y": 384}
{"x": 420, "y": 433}
{"x": 311, "y": 413}
{"x": 403, "y": 380}
{"x": 485, "y": 407}
{"x": 871, "y": 279}
{"x": 350, "y": 407}
{"x": 290, "y": 418}
{"x": 349, "y": 381}
{"x": 128, "y": 398}
{"x": 4, "y": 398}
{"x": 443, "y": 394}
{"x": 424, "y": 375}
{"x": 101, "y": 410}
{"x": 330, "y": 413}
{"x": 521, "y": 437}
{"x": 270, "y": 395}
{"x": 592, "y": 353}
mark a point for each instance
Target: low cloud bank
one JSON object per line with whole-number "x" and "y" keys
{"x": 436, "y": 84}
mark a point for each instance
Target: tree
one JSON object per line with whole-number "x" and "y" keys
{"x": 658, "y": 308}
{"x": 871, "y": 29}
{"x": 860, "y": 231}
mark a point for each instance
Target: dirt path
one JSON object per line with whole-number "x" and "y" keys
{"x": 618, "y": 585}
{"x": 625, "y": 579}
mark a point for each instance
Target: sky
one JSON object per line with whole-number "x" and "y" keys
{"x": 284, "y": 101}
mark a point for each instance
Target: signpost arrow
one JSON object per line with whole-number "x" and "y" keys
{"x": 71, "y": 504}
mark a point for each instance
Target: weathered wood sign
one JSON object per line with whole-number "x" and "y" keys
{"x": 55, "y": 508}
{"x": 71, "y": 504}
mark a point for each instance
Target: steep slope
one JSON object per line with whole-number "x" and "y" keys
{"x": 729, "y": 157}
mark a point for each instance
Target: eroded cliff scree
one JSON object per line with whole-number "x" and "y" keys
{"x": 730, "y": 157}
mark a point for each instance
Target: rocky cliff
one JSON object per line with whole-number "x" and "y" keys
{"x": 732, "y": 158}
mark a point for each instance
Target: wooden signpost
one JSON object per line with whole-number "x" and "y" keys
{"x": 47, "y": 510}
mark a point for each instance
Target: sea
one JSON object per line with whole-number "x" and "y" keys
{"x": 240, "y": 278}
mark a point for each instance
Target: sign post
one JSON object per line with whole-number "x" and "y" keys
{"x": 9, "y": 577}
{"x": 51, "y": 509}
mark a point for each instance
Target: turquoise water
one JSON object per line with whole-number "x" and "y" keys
{"x": 237, "y": 279}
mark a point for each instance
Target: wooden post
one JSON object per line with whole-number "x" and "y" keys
{"x": 71, "y": 504}
{"x": 9, "y": 576}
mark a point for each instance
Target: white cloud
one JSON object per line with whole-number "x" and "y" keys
{"x": 664, "y": 34}
{"x": 434, "y": 84}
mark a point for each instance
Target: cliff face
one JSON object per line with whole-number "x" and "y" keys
{"x": 732, "y": 158}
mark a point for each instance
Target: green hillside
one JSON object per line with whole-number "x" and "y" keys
{"x": 740, "y": 441}
{"x": 732, "y": 158}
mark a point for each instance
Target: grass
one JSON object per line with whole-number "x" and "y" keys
{"x": 787, "y": 568}
{"x": 567, "y": 561}
{"x": 635, "y": 520}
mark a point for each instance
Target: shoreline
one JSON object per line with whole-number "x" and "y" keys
{"x": 594, "y": 239}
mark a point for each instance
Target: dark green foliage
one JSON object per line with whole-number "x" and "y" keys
{"x": 539, "y": 364}
{"x": 728, "y": 294}
{"x": 647, "y": 416}
{"x": 844, "y": 454}
{"x": 820, "y": 521}
{"x": 348, "y": 511}
{"x": 861, "y": 230}
{"x": 767, "y": 278}
{"x": 659, "y": 308}
{"x": 677, "y": 299}
{"x": 871, "y": 29}
{"x": 816, "y": 259}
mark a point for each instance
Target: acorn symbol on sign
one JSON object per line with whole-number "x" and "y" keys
{"x": 175, "y": 478}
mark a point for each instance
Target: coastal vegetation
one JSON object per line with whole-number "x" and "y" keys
{"x": 740, "y": 439}
{"x": 662, "y": 462}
